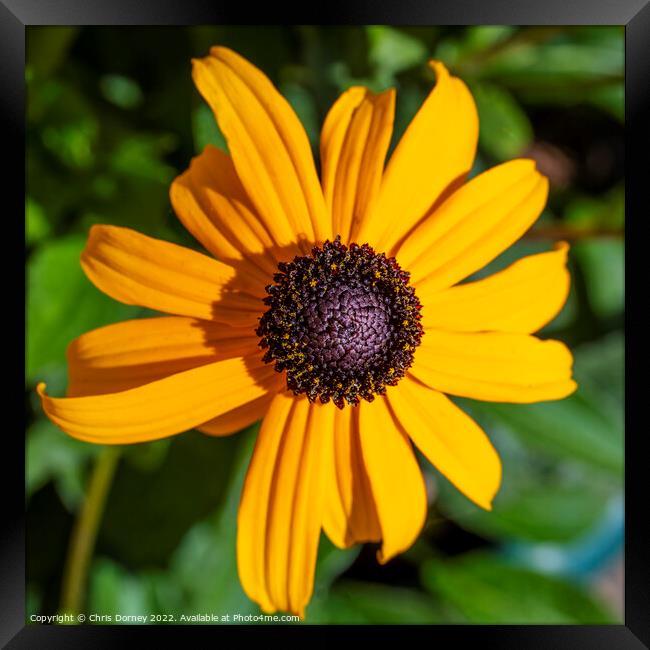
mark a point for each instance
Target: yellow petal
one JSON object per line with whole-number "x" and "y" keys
{"x": 350, "y": 515}
{"x": 254, "y": 505}
{"x": 395, "y": 477}
{"x": 474, "y": 225}
{"x": 449, "y": 438}
{"x": 243, "y": 416}
{"x": 308, "y": 506}
{"x": 354, "y": 142}
{"x": 434, "y": 155}
{"x": 136, "y": 352}
{"x": 494, "y": 366}
{"x": 161, "y": 408}
{"x": 268, "y": 145}
{"x": 280, "y": 513}
{"x": 139, "y": 270}
{"x": 211, "y": 203}
{"x": 522, "y": 298}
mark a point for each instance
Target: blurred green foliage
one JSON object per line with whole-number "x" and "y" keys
{"x": 112, "y": 117}
{"x": 487, "y": 590}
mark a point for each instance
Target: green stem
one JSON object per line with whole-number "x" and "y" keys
{"x": 84, "y": 533}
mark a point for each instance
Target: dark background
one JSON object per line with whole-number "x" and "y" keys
{"x": 112, "y": 117}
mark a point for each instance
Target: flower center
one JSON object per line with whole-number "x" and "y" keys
{"x": 343, "y": 323}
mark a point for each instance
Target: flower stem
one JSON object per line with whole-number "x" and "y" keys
{"x": 84, "y": 533}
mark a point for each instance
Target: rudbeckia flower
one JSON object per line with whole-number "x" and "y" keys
{"x": 333, "y": 310}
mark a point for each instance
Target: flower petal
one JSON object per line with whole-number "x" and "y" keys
{"x": 395, "y": 478}
{"x": 350, "y": 515}
{"x": 212, "y": 204}
{"x": 354, "y": 142}
{"x": 242, "y": 416}
{"x": 161, "y": 408}
{"x": 435, "y": 153}
{"x": 449, "y": 438}
{"x": 268, "y": 145}
{"x": 136, "y": 352}
{"x": 494, "y": 366}
{"x": 474, "y": 225}
{"x": 139, "y": 270}
{"x": 280, "y": 513}
{"x": 522, "y": 298}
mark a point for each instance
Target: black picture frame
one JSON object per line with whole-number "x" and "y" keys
{"x": 16, "y": 15}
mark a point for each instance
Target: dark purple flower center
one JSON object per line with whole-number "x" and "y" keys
{"x": 343, "y": 323}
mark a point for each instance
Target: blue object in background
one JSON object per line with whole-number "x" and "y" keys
{"x": 582, "y": 559}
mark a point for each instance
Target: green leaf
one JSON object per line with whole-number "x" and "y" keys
{"x": 485, "y": 589}
{"x": 140, "y": 156}
{"x": 603, "y": 263}
{"x": 147, "y": 457}
{"x": 600, "y": 368}
{"x": 121, "y": 91}
{"x": 331, "y": 563}
{"x": 37, "y": 227}
{"x": 62, "y": 117}
{"x": 565, "y": 57}
{"x": 54, "y": 456}
{"x": 61, "y": 305}
{"x": 574, "y": 427}
{"x": 408, "y": 102}
{"x": 392, "y": 51}
{"x": 205, "y": 564}
{"x": 357, "y": 602}
{"x": 73, "y": 142}
{"x": 114, "y": 590}
{"x": 611, "y": 98}
{"x": 206, "y": 130}
{"x": 505, "y": 131}
{"x": 594, "y": 212}
{"x": 472, "y": 43}
{"x": 149, "y": 510}
{"x": 482, "y": 37}
{"x": 302, "y": 101}
{"x": 552, "y": 509}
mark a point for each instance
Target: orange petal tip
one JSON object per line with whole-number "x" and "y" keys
{"x": 439, "y": 68}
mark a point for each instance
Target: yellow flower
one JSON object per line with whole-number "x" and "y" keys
{"x": 297, "y": 299}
